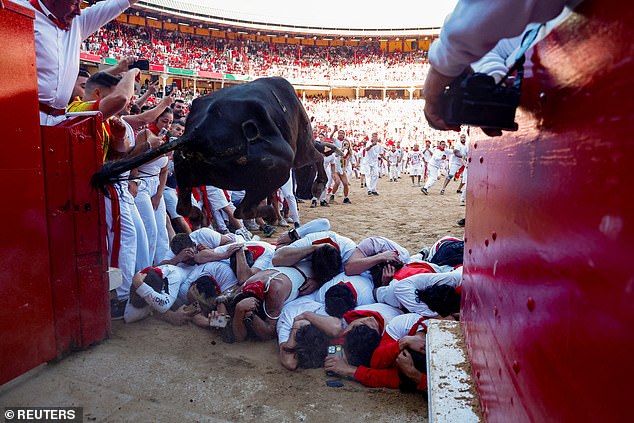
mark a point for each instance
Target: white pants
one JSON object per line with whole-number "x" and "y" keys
{"x": 463, "y": 196}
{"x": 393, "y": 171}
{"x": 432, "y": 176}
{"x": 154, "y": 220}
{"x": 128, "y": 242}
{"x": 373, "y": 176}
{"x": 287, "y": 193}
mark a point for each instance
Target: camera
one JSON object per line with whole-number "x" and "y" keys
{"x": 141, "y": 64}
{"x": 335, "y": 350}
{"x": 218, "y": 321}
{"x": 475, "y": 99}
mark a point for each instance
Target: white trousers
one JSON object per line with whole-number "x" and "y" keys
{"x": 126, "y": 258}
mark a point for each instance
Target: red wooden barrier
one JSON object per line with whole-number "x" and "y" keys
{"x": 548, "y": 305}
{"x": 26, "y": 317}
{"x": 72, "y": 153}
{"x": 53, "y": 281}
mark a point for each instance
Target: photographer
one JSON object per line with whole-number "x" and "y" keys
{"x": 473, "y": 29}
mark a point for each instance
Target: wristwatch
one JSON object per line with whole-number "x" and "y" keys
{"x": 293, "y": 235}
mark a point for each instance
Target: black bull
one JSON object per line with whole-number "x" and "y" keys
{"x": 243, "y": 137}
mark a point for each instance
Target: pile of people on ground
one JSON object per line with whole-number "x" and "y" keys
{"x": 358, "y": 310}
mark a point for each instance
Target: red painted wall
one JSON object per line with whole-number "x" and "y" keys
{"x": 548, "y": 306}
{"x": 26, "y": 316}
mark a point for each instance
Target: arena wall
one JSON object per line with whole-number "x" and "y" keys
{"x": 549, "y": 287}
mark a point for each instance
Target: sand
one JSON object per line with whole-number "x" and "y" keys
{"x": 152, "y": 371}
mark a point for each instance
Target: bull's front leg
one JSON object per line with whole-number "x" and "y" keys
{"x": 184, "y": 206}
{"x": 320, "y": 181}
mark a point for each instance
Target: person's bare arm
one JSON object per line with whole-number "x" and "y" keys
{"x": 243, "y": 271}
{"x": 288, "y": 256}
{"x": 331, "y": 326}
{"x": 289, "y": 358}
{"x": 156, "y": 198}
{"x": 121, "y": 94}
{"x": 359, "y": 263}
{"x": 206, "y": 255}
{"x": 142, "y": 119}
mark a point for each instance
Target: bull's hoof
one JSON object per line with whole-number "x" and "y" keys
{"x": 245, "y": 213}
{"x": 266, "y": 212}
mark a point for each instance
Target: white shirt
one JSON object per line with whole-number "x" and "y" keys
{"x": 415, "y": 158}
{"x": 264, "y": 249}
{"x": 474, "y": 28}
{"x": 292, "y": 310}
{"x": 372, "y": 155}
{"x": 393, "y": 156}
{"x": 436, "y": 158}
{"x": 157, "y": 301}
{"x": 218, "y": 270}
{"x": 400, "y": 326}
{"x": 361, "y": 285}
{"x": 346, "y": 245}
{"x": 464, "y": 152}
{"x": 57, "y": 51}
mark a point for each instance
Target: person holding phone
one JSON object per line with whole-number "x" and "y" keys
{"x": 151, "y": 183}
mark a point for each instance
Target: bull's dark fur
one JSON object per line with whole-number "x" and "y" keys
{"x": 243, "y": 137}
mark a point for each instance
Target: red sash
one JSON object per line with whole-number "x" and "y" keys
{"x": 116, "y": 225}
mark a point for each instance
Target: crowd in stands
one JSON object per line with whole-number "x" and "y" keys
{"x": 257, "y": 58}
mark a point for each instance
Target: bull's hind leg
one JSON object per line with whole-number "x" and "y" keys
{"x": 248, "y": 207}
{"x": 184, "y": 206}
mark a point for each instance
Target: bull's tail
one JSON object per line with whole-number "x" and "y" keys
{"x": 110, "y": 171}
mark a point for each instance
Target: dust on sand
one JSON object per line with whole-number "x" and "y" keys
{"x": 151, "y": 371}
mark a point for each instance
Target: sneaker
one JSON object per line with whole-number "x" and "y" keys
{"x": 442, "y": 192}
{"x": 267, "y": 230}
{"x": 289, "y": 220}
{"x": 299, "y": 200}
{"x": 332, "y": 197}
{"x": 313, "y": 204}
{"x": 369, "y": 192}
{"x": 461, "y": 222}
{"x": 346, "y": 201}
{"x": 283, "y": 222}
{"x": 244, "y": 233}
{"x": 424, "y": 253}
{"x": 324, "y": 203}
{"x": 117, "y": 308}
{"x": 419, "y": 184}
{"x": 375, "y": 193}
{"x": 424, "y": 190}
{"x": 251, "y": 225}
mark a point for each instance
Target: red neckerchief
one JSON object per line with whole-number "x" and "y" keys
{"x": 256, "y": 250}
{"x": 352, "y": 315}
{"x": 156, "y": 269}
{"x": 413, "y": 269}
{"x": 327, "y": 241}
{"x": 414, "y": 328}
{"x": 152, "y": 127}
{"x": 60, "y": 25}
